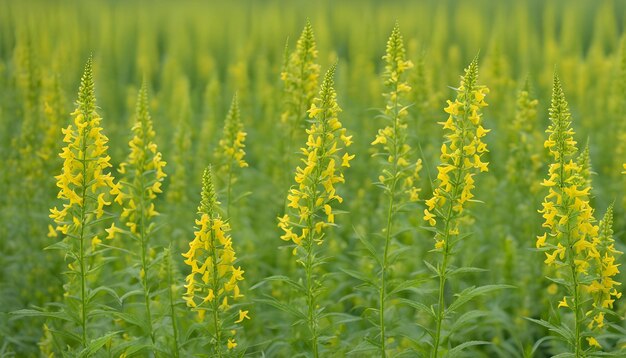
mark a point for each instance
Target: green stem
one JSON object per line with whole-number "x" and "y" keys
{"x": 146, "y": 289}
{"x": 576, "y": 303}
{"x": 311, "y": 302}
{"x": 144, "y": 235}
{"x": 308, "y": 263}
{"x": 443, "y": 270}
{"x": 229, "y": 187}
{"x": 215, "y": 303}
{"x": 383, "y": 280}
{"x": 293, "y": 128}
{"x": 83, "y": 219}
{"x": 570, "y": 257}
{"x": 170, "y": 282}
{"x": 440, "y": 308}
{"x": 450, "y": 216}
{"x": 383, "y": 283}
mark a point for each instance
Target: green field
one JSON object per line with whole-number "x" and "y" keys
{"x": 312, "y": 178}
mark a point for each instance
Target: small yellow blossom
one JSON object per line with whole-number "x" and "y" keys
{"x": 593, "y": 342}
{"x": 242, "y": 315}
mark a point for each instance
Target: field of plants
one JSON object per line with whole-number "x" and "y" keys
{"x": 312, "y": 178}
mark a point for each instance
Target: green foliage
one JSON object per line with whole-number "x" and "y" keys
{"x": 375, "y": 249}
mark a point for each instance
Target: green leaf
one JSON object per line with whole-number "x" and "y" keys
{"x": 563, "y": 331}
{"x": 96, "y": 344}
{"x": 282, "y": 306}
{"x": 288, "y": 281}
{"x": 432, "y": 268}
{"x": 130, "y": 294}
{"x": 370, "y": 248}
{"x": 418, "y": 306}
{"x": 404, "y": 285}
{"x": 472, "y": 292}
{"x": 130, "y": 319}
{"x": 359, "y": 276}
{"x": 564, "y": 355}
{"x": 96, "y": 291}
{"x": 457, "y": 350}
{"x": 37, "y": 313}
{"x": 467, "y": 318}
{"x": 462, "y": 270}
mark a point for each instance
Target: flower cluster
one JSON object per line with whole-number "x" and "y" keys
{"x": 300, "y": 76}
{"x": 323, "y": 168}
{"x": 393, "y": 136}
{"x": 142, "y": 170}
{"x": 85, "y": 187}
{"x": 524, "y": 142}
{"x": 461, "y": 155}
{"x": 231, "y": 146}
{"x": 214, "y": 279}
{"x": 573, "y": 241}
{"x": 567, "y": 202}
{"x": 84, "y": 184}
{"x": 604, "y": 288}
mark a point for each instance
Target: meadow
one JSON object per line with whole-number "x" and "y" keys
{"x": 312, "y": 179}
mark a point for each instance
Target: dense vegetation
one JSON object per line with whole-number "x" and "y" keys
{"x": 332, "y": 178}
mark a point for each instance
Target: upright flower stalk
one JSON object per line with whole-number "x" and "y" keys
{"x": 300, "y": 76}
{"x": 523, "y": 165}
{"x": 85, "y": 188}
{"x": 141, "y": 182}
{"x": 314, "y": 195}
{"x": 461, "y": 159}
{"x": 231, "y": 148}
{"x": 213, "y": 283}
{"x": 603, "y": 288}
{"x": 573, "y": 244}
{"x": 399, "y": 174}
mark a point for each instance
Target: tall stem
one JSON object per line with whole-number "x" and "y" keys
{"x": 170, "y": 282}
{"x": 450, "y": 216}
{"x": 216, "y": 318}
{"x": 311, "y": 301}
{"x": 308, "y": 266}
{"x": 392, "y": 190}
{"x": 229, "y": 187}
{"x": 576, "y": 303}
{"x": 83, "y": 219}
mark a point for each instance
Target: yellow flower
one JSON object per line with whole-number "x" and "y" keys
{"x": 95, "y": 242}
{"x": 453, "y": 108}
{"x": 85, "y": 162}
{"x": 541, "y": 240}
{"x": 314, "y": 111}
{"x": 242, "y": 315}
{"x": 393, "y": 137}
{"x": 582, "y": 248}
{"x": 593, "y": 342}
{"x": 231, "y": 146}
{"x": 324, "y": 143}
{"x": 552, "y": 289}
{"x": 300, "y": 76}
{"x": 214, "y": 279}
{"x": 462, "y": 150}
{"x": 52, "y": 231}
{"x": 231, "y": 343}
{"x": 345, "y": 160}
